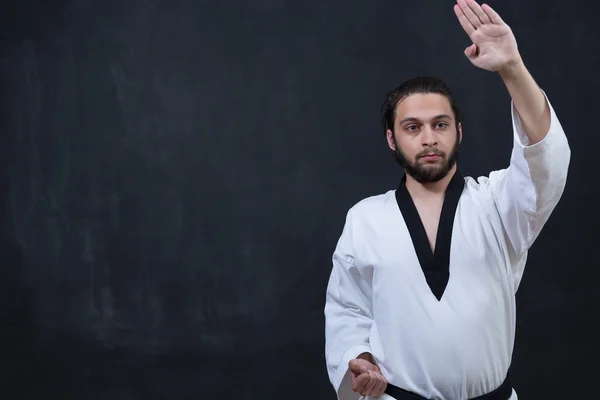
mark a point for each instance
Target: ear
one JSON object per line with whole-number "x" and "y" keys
{"x": 390, "y": 139}
{"x": 459, "y": 133}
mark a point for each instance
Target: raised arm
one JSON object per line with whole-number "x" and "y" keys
{"x": 495, "y": 48}
{"x": 527, "y": 191}
{"x": 529, "y": 101}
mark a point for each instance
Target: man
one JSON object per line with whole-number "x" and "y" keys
{"x": 421, "y": 298}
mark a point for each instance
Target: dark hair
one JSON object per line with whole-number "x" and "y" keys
{"x": 419, "y": 84}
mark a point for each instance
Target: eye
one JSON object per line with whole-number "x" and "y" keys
{"x": 411, "y": 128}
{"x": 441, "y": 125}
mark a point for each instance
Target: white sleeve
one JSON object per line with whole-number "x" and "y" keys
{"x": 348, "y": 315}
{"x": 527, "y": 191}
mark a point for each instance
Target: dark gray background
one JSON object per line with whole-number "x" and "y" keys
{"x": 175, "y": 175}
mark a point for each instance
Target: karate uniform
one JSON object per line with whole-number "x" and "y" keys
{"x": 442, "y": 324}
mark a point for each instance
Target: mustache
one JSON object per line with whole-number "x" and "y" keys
{"x": 431, "y": 152}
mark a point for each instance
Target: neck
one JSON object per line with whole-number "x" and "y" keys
{"x": 433, "y": 189}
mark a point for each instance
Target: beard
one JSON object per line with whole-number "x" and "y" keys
{"x": 424, "y": 172}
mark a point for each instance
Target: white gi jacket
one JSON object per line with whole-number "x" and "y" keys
{"x": 382, "y": 295}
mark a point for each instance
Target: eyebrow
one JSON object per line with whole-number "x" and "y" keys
{"x": 413, "y": 119}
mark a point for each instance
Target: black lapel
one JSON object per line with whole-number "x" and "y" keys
{"x": 435, "y": 265}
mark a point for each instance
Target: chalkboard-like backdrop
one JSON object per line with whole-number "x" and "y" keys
{"x": 175, "y": 175}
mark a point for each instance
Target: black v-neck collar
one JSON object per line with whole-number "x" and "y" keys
{"x": 435, "y": 264}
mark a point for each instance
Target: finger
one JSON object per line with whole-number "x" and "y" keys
{"x": 464, "y": 22}
{"x": 473, "y": 19}
{"x": 359, "y": 383}
{"x": 370, "y": 385}
{"x": 492, "y": 14}
{"x": 471, "y": 51}
{"x": 476, "y": 8}
{"x": 382, "y": 385}
{"x": 357, "y": 366}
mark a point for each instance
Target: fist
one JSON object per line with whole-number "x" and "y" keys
{"x": 367, "y": 378}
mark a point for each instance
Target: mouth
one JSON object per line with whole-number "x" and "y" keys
{"x": 431, "y": 157}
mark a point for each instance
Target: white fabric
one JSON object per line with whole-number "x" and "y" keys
{"x": 378, "y": 300}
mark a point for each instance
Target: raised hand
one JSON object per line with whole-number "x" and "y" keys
{"x": 367, "y": 378}
{"x": 494, "y": 45}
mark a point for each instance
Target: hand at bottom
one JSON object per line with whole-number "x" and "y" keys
{"x": 367, "y": 378}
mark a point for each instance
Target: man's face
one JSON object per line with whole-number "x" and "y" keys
{"x": 426, "y": 140}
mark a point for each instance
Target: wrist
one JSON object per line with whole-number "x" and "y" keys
{"x": 513, "y": 70}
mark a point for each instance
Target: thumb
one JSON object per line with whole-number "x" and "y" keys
{"x": 358, "y": 366}
{"x": 471, "y": 51}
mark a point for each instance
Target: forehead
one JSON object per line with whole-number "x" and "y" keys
{"x": 423, "y": 106}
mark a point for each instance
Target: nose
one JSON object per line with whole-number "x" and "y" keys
{"x": 428, "y": 137}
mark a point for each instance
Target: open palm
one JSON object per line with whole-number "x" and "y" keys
{"x": 494, "y": 45}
